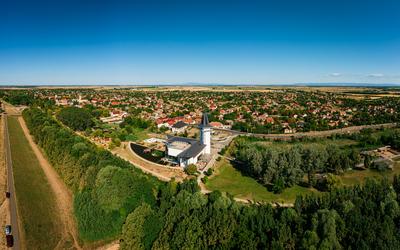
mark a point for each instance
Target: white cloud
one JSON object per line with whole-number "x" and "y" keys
{"x": 336, "y": 74}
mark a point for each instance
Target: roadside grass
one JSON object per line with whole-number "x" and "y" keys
{"x": 230, "y": 180}
{"x": 41, "y": 225}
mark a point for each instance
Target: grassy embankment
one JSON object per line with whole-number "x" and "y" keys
{"x": 35, "y": 199}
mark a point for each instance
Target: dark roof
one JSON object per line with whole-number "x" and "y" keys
{"x": 171, "y": 139}
{"x": 195, "y": 146}
{"x": 179, "y": 124}
{"x": 204, "y": 121}
{"x": 192, "y": 151}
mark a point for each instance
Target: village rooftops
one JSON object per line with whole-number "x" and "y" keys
{"x": 179, "y": 124}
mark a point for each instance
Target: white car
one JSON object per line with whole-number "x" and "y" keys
{"x": 8, "y": 230}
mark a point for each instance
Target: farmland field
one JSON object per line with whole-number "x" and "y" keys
{"x": 36, "y": 201}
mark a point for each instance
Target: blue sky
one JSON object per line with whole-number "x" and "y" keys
{"x": 235, "y": 42}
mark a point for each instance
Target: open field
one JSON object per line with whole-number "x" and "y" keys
{"x": 230, "y": 180}
{"x": 355, "y": 177}
{"x": 36, "y": 202}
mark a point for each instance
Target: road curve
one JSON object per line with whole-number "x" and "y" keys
{"x": 11, "y": 188}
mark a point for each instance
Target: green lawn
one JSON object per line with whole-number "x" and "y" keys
{"x": 35, "y": 199}
{"x": 230, "y": 180}
{"x": 141, "y": 134}
{"x": 358, "y": 176}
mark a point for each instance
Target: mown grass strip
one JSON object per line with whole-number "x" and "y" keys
{"x": 35, "y": 199}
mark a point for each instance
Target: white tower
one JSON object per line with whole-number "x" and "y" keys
{"x": 205, "y": 133}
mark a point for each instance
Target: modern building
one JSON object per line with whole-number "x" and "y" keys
{"x": 186, "y": 151}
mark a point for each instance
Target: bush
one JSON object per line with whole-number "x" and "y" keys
{"x": 117, "y": 142}
{"x": 209, "y": 172}
{"x": 191, "y": 169}
{"x": 204, "y": 179}
{"x": 381, "y": 165}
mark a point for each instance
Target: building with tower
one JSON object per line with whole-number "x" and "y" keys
{"x": 185, "y": 151}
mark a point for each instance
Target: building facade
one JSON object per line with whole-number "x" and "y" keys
{"x": 185, "y": 151}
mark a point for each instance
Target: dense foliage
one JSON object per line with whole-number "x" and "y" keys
{"x": 136, "y": 122}
{"x": 106, "y": 188}
{"x": 18, "y": 97}
{"x": 351, "y": 218}
{"x": 282, "y": 167}
{"x": 76, "y": 118}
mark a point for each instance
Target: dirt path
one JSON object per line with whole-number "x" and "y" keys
{"x": 62, "y": 194}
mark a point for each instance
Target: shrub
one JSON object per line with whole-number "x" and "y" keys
{"x": 209, "y": 172}
{"x": 191, "y": 169}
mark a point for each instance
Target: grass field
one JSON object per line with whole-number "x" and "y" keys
{"x": 321, "y": 141}
{"x": 359, "y": 176}
{"x": 230, "y": 180}
{"x": 35, "y": 199}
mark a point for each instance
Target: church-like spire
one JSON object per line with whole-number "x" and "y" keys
{"x": 204, "y": 121}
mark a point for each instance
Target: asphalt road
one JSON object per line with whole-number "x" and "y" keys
{"x": 11, "y": 189}
{"x": 323, "y": 133}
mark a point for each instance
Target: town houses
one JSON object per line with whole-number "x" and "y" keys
{"x": 272, "y": 111}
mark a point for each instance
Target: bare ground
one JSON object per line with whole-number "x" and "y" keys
{"x": 62, "y": 194}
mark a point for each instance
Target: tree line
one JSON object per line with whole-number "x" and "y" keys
{"x": 281, "y": 167}
{"x": 361, "y": 217}
{"x": 106, "y": 188}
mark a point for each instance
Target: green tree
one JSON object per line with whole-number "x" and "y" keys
{"x": 76, "y": 118}
{"x": 133, "y": 230}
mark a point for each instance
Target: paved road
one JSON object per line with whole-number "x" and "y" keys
{"x": 323, "y": 133}
{"x": 10, "y": 184}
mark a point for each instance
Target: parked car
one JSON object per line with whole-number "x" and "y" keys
{"x": 8, "y": 230}
{"x": 10, "y": 240}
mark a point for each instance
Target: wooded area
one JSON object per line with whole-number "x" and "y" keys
{"x": 279, "y": 166}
